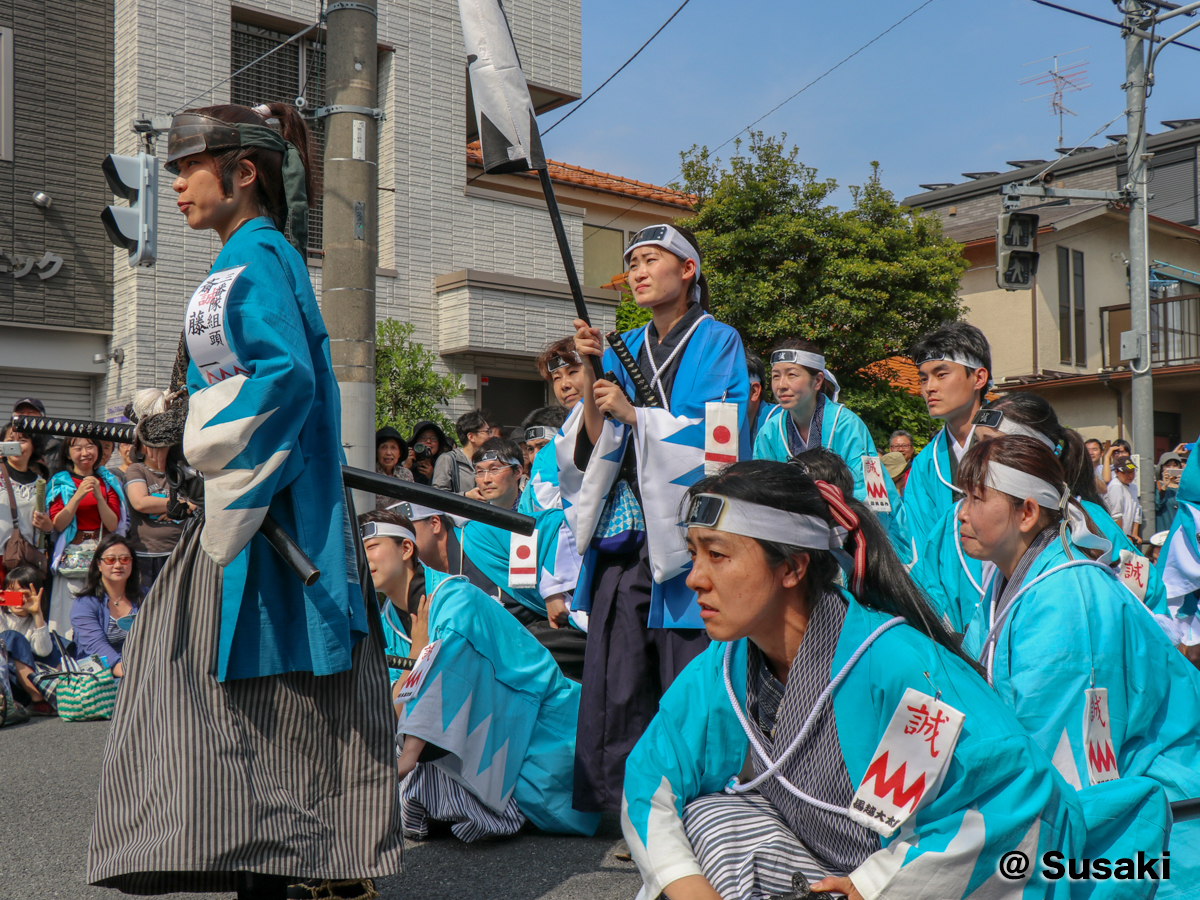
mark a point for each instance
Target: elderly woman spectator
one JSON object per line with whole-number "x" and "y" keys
{"x": 428, "y": 443}
{"x": 19, "y": 474}
{"x": 392, "y": 457}
{"x": 86, "y": 502}
{"x": 152, "y": 533}
{"x": 109, "y": 600}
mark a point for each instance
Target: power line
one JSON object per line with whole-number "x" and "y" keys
{"x": 1084, "y": 15}
{"x": 618, "y": 72}
{"x": 788, "y": 100}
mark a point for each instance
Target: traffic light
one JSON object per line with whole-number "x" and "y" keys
{"x": 134, "y": 227}
{"x": 1016, "y": 260}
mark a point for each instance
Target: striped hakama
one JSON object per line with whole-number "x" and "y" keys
{"x": 289, "y": 775}
{"x": 429, "y": 794}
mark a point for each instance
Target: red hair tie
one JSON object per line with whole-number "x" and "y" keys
{"x": 845, "y": 517}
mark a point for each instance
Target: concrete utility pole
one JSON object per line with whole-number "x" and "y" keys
{"x": 1142, "y": 381}
{"x": 351, "y": 221}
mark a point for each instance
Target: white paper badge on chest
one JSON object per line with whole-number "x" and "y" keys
{"x": 877, "y": 492}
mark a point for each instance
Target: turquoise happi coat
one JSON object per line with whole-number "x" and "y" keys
{"x": 495, "y": 700}
{"x": 843, "y": 432}
{"x": 542, "y": 491}
{"x": 669, "y": 454}
{"x": 1073, "y": 628}
{"x": 999, "y": 792}
{"x": 1179, "y": 562}
{"x": 928, "y": 492}
{"x": 264, "y": 429}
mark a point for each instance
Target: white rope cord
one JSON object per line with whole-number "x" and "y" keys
{"x": 962, "y": 559}
{"x": 772, "y": 769}
{"x": 654, "y": 382}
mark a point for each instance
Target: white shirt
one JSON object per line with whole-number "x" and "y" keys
{"x": 1122, "y": 503}
{"x": 960, "y": 449}
{"x": 39, "y": 638}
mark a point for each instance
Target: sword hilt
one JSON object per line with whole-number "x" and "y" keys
{"x": 645, "y": 394}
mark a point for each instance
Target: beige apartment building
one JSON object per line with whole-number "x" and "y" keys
{"x": 1061, "y": 339}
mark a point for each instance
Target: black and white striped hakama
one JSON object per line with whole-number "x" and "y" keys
{"x": 291, "y": 775}
{"x": 429, "y": 794}
{"x": 745, "y": 848}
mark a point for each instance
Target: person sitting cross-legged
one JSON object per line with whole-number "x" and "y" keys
{"x": 473, "y": 663}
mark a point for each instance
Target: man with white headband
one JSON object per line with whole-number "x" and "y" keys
{"x": 468, "y": 657}
{"x": 838, "y": 734}
{"x": 954, "y": 365}
{"x": 1081, "y": 662}
{"x": 809, "y": 416}
{"x": 623, "y": 471}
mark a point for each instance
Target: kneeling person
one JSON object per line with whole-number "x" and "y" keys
{"x": 486, "y": 720}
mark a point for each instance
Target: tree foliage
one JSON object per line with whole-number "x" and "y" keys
{"x": 407, "y": 389}
{"x": 781, "y": 261}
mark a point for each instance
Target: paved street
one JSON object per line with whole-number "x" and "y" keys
{"x": 48, "y": 798}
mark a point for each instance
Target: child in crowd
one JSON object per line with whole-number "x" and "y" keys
{"x": 26, "y": 637}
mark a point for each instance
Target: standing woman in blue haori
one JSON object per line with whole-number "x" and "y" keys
{"x": 955, "y": 581}
{"x": 832, "y": 733}
{"x": 809, "y": 416}
{"x": 623, "y": 471}
{"x": 1179, "y": 565}
{"x": 1082, "y": 663}
{"x": 252, "y": 742}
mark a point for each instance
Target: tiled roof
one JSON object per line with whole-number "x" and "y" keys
{"x": 899, "y": 371}
{"x": 601, "y": 181}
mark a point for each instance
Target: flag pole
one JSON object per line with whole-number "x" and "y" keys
{"x": 564, "y": 249}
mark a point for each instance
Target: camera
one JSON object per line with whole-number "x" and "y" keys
{"x": 10, "y": 448}
{"x": 422, "y": 453}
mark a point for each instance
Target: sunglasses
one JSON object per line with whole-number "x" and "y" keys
{"x": 113, "y": 560}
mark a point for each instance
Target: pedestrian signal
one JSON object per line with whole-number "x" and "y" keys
{"x": 133, "y": 227}
{"x": 1016, "y": 260}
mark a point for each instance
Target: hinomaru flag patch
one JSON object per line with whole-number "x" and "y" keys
{"x": 908, "y": 765}
{"x": 522, "y": 561}
{"x": 720, "y": 436}
{"x": 1097, "y": 738}
{"x": 877, "y": 492}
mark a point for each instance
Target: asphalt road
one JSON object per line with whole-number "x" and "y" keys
{"x": 48, "y": 799}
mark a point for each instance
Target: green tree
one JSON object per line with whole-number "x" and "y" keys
{"x": 782, "y": 261}
{"x": 407, "y": 389}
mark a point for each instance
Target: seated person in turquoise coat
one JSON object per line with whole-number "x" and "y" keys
{"x": 1082, "y": 663}
{"x": 834, "y": 733}
{"x": 955, "y": 581}
{"x": 809, "y": 416}
{"x": 487, "y": 722}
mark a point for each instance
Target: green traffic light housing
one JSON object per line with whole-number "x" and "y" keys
{"x": 1016, "y": 260}
{"x": 134, "y": 228}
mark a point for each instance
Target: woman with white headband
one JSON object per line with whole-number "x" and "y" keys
{"x": 1081, "y": 662}
{"x": 954, "y": 581}
{"x": 809, "y": 416}
{"x": 837, "y": 734}
{"x": 623, "y": 471}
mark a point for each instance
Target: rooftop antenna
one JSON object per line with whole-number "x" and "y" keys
{"x": 1067, "y": 79}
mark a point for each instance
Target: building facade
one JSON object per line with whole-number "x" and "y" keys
{"x": 1061, "y": 338}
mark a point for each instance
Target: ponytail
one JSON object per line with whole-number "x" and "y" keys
{"x": 701, "y": 278}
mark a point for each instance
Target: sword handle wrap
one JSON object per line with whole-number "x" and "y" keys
{"x": 117, "y": 432}
{"x": 645, "y": 394}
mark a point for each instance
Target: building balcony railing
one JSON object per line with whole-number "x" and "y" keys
{"x": 1174, "y": 331}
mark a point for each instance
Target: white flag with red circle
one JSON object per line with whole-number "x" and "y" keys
{"x": 522, "y": 561}
{"x": 720, "y": 436}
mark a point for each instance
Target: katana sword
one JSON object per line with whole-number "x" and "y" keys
{"x": 645, "y": 393}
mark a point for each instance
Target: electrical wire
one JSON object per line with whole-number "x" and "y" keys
{"x": 777, "y": 106}
{"x": 575, "y": 108}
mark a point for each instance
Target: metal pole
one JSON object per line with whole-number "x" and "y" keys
{"x": 1142, "y": 413}
{"x": 350, "y": 222}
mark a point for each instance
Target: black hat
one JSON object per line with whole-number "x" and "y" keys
{"x": 388, "y": 433}
{"x": 30, "y": 401}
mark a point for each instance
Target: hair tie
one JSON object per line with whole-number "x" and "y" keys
{"x": 848, "y": 519}
{"x": 1058, "y": 449}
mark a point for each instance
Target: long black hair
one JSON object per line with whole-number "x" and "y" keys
{"x": 887, "y": 586}
{"x": 93, "y": 585}
{"x": 1035, "y": 412}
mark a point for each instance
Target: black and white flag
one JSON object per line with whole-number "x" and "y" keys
{"x": 508, "y": 131}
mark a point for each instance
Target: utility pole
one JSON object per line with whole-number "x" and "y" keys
{"x": 351, "y": 222}
{"x": 1142, "y": 379}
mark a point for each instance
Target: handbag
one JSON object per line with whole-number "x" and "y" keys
{"x": 622, "y": 525}
{"x": 85, "y": 696}
{"x": 17, "y": 550}
{"x": 77, "y": 558}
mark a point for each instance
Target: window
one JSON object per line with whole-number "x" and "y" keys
{"x": 1072, "y": 313}
{"x": 295, "y": 70}
{"x": 603, "y": 255}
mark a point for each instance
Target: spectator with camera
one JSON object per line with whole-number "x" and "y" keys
{"x": 1170, "y": 467}
{"x": 428, "y": 442}
{"x": 455, "y": 471}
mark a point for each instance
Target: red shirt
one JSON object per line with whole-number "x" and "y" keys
{"x": 87, "y": 513}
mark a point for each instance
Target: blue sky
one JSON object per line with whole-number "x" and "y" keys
{"x": 936, "y": 97}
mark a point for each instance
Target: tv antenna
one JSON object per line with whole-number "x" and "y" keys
{"x": 1067, "y": 79}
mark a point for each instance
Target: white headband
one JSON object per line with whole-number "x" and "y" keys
{"x": 809, "y": 361}
{"x": 413, "y": 511}
{"x": 1008, "y": 426}
{"x": 386, "y": 529}
{"x": 963, "y": 359}
{"x": 1023, "y": 486}
{"x": 766, "y": 523}
{"x": 671, "y": 240}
